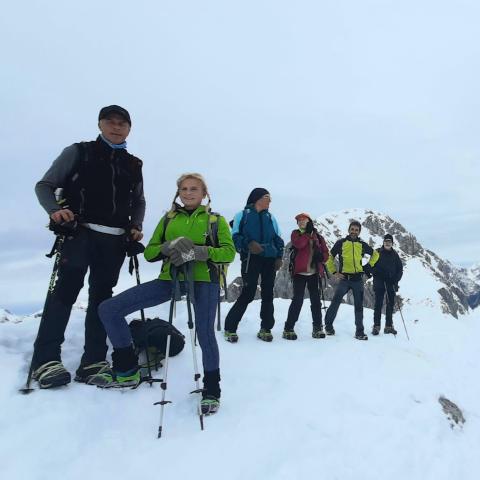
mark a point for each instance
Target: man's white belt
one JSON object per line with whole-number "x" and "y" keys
{"x": 104, "y": 229}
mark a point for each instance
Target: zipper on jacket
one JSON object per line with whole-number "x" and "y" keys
{"x": 261, "y": 226}
{"x": 82, "y": 202}
{"x": 114, "y": 190}
{"x": 353, "y": 250}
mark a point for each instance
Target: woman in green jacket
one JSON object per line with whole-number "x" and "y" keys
{"x": 182, "y": 235}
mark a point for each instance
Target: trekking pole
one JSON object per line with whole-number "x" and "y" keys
{"x": 221, "y": 278}
{"x": 132, "y": 251}
{"x": 248, "y": 262}
{"x": 188, "y": 275}
{"x": 401, "y": 314}
{"x": 163, "y": 384}
{"x": 57, "y": 251}
{"x": 322, "y": 293}
{"x": 219, "y": 320}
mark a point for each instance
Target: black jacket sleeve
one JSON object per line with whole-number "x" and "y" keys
{"x": 399, "y": 272}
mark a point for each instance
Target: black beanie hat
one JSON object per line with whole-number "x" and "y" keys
{"x": 257, "y": 194}
{"x": 106, "y": 111}
{"x": 388, "y": 237}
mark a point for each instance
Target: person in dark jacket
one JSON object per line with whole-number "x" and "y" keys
{"x": 387, "y": 272}
{"x": 103, "y": 204}
{"x": 350, "y": 251}
{"x": 310, "y": 253}
{"x": 257, "y": 238}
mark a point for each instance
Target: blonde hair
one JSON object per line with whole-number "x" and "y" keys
{"x": 192, "y": 176}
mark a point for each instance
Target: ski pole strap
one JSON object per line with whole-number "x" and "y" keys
{"x": 130, "y": 266}
{"x": 133, "y": 264}
{"x": 57, "y": 244}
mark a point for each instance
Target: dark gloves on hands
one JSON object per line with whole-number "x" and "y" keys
{"x": 134, "y": 248}
{"x": 255, "y": 247}
{"x": 179, "y": 257}
{"x": 396, "y": 287}
{"x": 180, "y": 244}
{"x": 67, "y": 228}
{"x": 278, "y": 264}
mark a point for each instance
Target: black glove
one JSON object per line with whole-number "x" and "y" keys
{"x": 309, "y": 227}
{"x": 69, "y": 229}
{"x": 396, "y": 287}
{"x": 134, "y": 248}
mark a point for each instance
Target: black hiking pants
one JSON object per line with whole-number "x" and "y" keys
{"x": 379, "y": 296}
{"x": 313, "y": 284}
{"x": 103, "y": 254}
{"x": 342, "y": 288}
{"x": 257, "y": 266}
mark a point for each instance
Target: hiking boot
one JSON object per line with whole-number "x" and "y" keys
{"x": 51, "y": 374}
{"x": 211, "y": 384}
{"x": 111, "y": 379}
{"x": 376, "y": 330}
{"x": 231, "y": 337}
{"x": 329, "y": 330}
{"x": 125, "y": 371}
{"x": 84, "y": 372}
{"x": 289, "y": 335}
{"x": 389, "y": 329}
{"x": 361, "y": 336}
{"x": 265, "y": 335}
{"x": 318, "y": 332}
{"x": 209, "y": 405}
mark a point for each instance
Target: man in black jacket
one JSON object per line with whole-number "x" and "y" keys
{"x": 387, "y": 272}
{"x": 102, "y": 205}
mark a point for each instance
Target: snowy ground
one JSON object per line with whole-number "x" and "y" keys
{"x": 333, "y": 408}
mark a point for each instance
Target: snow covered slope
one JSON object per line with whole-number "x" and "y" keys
{"x": 473, "y": 274}
{"x": 332, "y": 409}
{"x": 428, "y": 279}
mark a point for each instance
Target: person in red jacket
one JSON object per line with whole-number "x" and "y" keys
{"x": 310, "y": 253}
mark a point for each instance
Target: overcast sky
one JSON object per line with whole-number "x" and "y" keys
{"x": 329, "y": 105}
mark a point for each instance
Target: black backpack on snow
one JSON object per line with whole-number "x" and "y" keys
{"x": 157, "y": 333}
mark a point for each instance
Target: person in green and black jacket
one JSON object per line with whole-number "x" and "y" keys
{"x": 184, "y": 238}
{"x": 350, "y": 251}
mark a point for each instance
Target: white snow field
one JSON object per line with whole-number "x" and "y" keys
{"x": 334, "y": 408}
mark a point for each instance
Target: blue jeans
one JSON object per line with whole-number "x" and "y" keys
{"x": 112, "y": 313}
{"x": 342, "y": 288}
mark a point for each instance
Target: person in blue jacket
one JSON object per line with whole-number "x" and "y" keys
{"x": 257, "y": 239}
